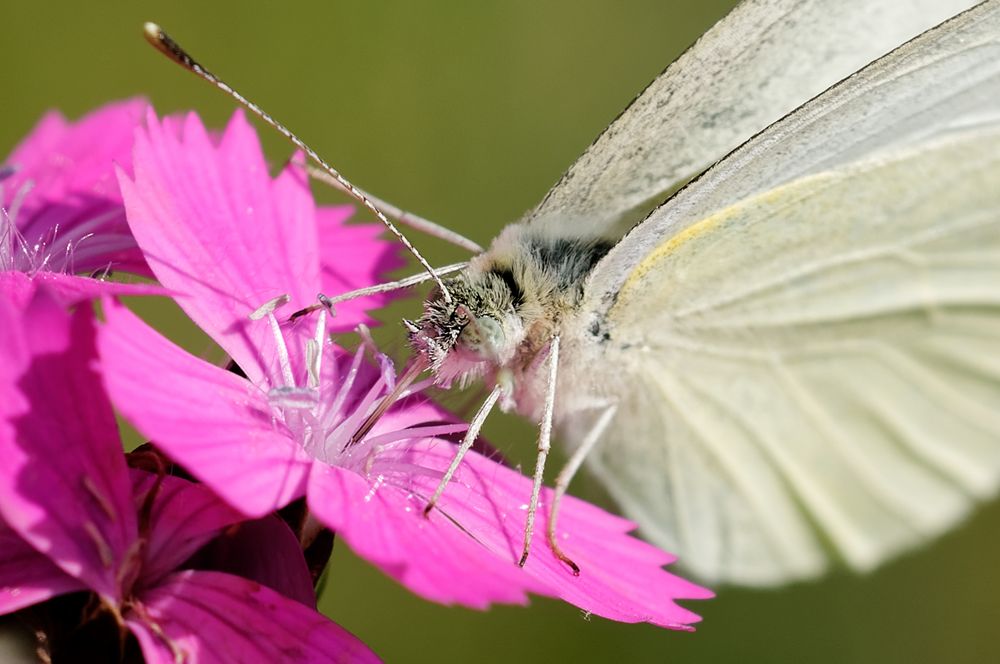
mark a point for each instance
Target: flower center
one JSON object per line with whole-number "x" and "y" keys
{"x": 78, "y": 233}
{"x": 334, "y": 416}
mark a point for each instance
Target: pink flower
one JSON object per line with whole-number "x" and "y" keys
{"x": 197, "y": 201}
{"x": 218, "y": 232}
{"x": 61, "y": 213}
{"x": 61, "y": 198}
{"x": 74, "y": 518}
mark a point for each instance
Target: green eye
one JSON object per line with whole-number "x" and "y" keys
{"x": 483, "y": 336}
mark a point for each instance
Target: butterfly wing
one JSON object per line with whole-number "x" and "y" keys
{"x": 813, "y": 372}
{"x": 945, "y": 80}
{"x": 757, "y": 64}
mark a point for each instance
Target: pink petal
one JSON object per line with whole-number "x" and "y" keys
{"x": 221, "y": 234}
{"x": 215, "y": 617}
{"x": 432, "y": 558}
{"x": 26, "y": 576}
{"x": 63, "y": 484}
{"x": 383, "y": 524}
{"x": 483, "y": 510}
{"x": 352, "y": 257}
{"x": 73, "y": 192}
{"x": 213, "y": 422}
{"x": 266, "y": 551}
{"x": 66, "y": 289}
{"x": 184, "y": 517}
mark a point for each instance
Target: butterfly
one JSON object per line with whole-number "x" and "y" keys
{"x": 794, "y": 358}
{"x": 763, "y": 307}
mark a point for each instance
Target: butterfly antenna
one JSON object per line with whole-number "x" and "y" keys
{"x": 164, "y": 44}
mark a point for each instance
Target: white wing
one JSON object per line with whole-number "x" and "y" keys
{"x": 815, "y": 372}
{"x": 757, "y": 64}
{"x": 819, "y": 373}
{"x": 945, "y": 80}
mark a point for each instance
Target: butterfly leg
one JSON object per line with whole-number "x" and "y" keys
{"x": 544, "y": 444}
{"x": 330, "y": 303}
{"x": 470, "y": 437}
{"x": 566, "y": 476}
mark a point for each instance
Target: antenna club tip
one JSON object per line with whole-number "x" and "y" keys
{"x": 155, "y": 35}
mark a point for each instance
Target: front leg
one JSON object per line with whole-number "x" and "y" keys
{"x": 544, "y": 445}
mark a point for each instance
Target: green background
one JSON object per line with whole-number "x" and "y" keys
{"x": 467, "y": 113}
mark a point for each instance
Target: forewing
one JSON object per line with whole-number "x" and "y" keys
{"x": 757, "y": 64}
{"x": 814, "y": 373}
{"x": 946, "y": 80}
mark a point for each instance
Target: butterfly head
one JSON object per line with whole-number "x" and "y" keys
{"x": 477, "y": 330}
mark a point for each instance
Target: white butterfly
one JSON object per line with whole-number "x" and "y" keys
{"x": 795, "y": 359}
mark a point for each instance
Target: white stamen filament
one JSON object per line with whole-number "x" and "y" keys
{"x": 427, "y": 431}
{"x": 18, "y": 200}
{"x": 348, "y": 383}
{"x": 295, "y": 398}
{"x": 417, "y": 387}
{"x": 269, "y": 307}
{"x": 314, "y": 351}
{"x": 283, "y": 360}
{"x": 330, "y": 415}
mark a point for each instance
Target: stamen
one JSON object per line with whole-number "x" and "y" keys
{"x": 414, "y": 370}
{"x": 103, "y": 549}
{"x": 367, "y": 340}
{"x": 348, "y": 383}
{"x": 313, "y": 354}
{"x": 18, "y": 200}
{"x": 283, "y": 360}
{"x": 417, "y": 387}
{"x": 66, "y": 241}
{"x": 295, "y": 398}
{"x": 105, "y": 504}
{"x": 269, "y": 307}
{"x": 369, "y": 403}
{"x": 427, "y": 431}
{"x": 314, "y": 351}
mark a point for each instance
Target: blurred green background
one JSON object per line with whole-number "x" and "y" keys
{"x": 467, "y": 113}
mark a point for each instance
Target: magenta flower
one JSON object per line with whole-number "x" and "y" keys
{"x": 227, "y": 240}
{"x": 74, "y": 518}
{"x": 61, "y": 213}
{"x": 63, "y": 209}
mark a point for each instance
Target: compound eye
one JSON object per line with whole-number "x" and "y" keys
{"x": 483, "y": 337}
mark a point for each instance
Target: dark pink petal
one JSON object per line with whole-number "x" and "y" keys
{"x": 209, "y": 617}
{"x": 264, "y": 550}
{"x": 26, "y": 576}
{"x": 66, "y": 289}
{"x": 221, "y": 234}
{"x": 432, "y": 558}
{"x": 352, "y": 257}
{"x": 621, "y": 578}
{"x": 213, "y": 422}
{"x": 355, "y": 496}
{"x": 66, "y": 192}
{"x": 154, "y": 649}
{"x": 184, "y": 517}
{"x": 63, "y": 483}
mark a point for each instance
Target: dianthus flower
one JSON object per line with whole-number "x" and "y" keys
{"x": 239, "y": 250}
{"x": 75, "y": 520}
